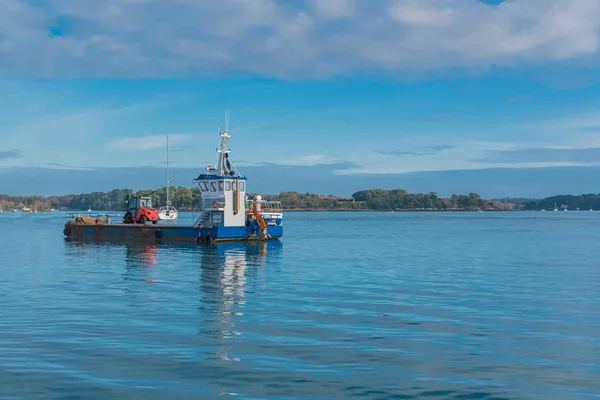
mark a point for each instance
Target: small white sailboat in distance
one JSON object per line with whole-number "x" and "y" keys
{"x": 168, "y": 212}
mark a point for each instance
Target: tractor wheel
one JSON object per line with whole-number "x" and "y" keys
{"x": 143, "y": 219}
{"x": 128, "y": 219}
{"x": 155, "y": 222}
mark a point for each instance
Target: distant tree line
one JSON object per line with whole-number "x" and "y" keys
{"x": 310, "y": 201}
{"x": 189, "y": 199}
{"x": 570, "y": 202}
{"x": 400, "y": 199}
{"x": 183, "y": 198}
{"x": 34, "y": 203}
{"x": 115, "y": 200}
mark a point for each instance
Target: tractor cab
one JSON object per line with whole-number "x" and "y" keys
{"x": 140, "y": 211}
{"x": 136, "y": 203}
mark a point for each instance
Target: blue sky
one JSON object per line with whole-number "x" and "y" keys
{"x": 357, "y": 93}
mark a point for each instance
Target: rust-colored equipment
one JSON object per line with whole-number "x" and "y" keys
{"x": 140, "y": 211}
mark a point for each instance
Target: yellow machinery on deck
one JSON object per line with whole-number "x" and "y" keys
{"x": 261, "y": 222}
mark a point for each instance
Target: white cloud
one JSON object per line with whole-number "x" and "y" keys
{"x": 334, "y": 9}
{"x": 472, "y": 155}
{"x": 309, "y": 160}
{"x": 49, "y": 133}
{"x": 314, "y": 38}
{"x": 578, "y": 122}
{"x": 421, "y": 16}
{"x": 147, "y": 142}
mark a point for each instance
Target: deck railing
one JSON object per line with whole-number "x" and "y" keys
{"x": 265, "y": 205}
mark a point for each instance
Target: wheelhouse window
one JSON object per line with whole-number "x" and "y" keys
{"x": 204, "y": 186}
{"x": 220, "y": 186}
{"x": 228, "y": 186}
{"x": 242, "y": 186}
{"x": 213, "y": 187}
{"x": 233, "y": 186}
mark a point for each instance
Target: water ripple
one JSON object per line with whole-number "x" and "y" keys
{"x": 368, "y": 305}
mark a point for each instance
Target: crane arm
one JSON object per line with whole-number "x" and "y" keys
{"x": 260, "y": 219}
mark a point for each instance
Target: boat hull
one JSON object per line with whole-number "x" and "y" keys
{"x": 167, "y": 213}
{"x": 167, "y": 217}
{"x": 166, "y": 233}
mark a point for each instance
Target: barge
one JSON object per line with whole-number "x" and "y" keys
{"x": 227, "y": 214}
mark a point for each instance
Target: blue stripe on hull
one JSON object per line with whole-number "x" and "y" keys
{"x": 232, "y": 233}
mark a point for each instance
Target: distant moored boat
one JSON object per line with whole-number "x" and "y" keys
{"x": 167, "y": 212}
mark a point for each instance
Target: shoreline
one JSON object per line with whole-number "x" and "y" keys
{"x": 295, "y": 210}
{"x": 288, "y": 210}
{"x": 389, "y": 211}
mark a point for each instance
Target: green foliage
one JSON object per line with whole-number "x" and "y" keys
{"x": 517, "y": 201}
{"x": 399, "y": 199}
{"x": 183, "y": 198}
{"x": 583, "y": 202}
{"x": 111, "y": 201}
{"x": 310, "y": 201}
{"x": 34, "y": 203}
{"x": 189, "y": 199}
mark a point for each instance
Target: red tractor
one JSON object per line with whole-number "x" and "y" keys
{"x": 140, "y": 211}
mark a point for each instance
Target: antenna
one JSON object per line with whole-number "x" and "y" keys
{"x": 223, "y": 149}
{"x": 168, "y": 202}
{"x": 167, "y": 162}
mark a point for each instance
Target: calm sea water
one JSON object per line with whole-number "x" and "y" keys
{"x": 347, "y": 305}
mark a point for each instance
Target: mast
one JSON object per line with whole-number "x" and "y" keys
{"x": 223, "y": 150}
{"x": 168, "y": 202}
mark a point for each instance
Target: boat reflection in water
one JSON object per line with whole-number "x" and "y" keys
{"x": 185, "y": 312}
{"x": 200, "y": 288}
{"x": 145, "y": 257}
{"x": 227, "y": 271}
